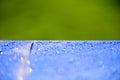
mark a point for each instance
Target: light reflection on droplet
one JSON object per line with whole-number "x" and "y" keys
{"x": 21, "y": 59}
{"x": 27, "y": 61}
{"x": 57, "y": 52}
{"x": 39, "y": 49}
{"x": 1, "y": 52}
{"x": 64, "y": 49}
{"x": 30, "y": 69}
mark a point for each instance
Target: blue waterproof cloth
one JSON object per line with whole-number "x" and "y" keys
{"x": 59, "y": 60}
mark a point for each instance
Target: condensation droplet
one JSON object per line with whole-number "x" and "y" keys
{"x": 111, "y": 49}
{"x": 30, "y": 70}
{"x": 21, "y": 59}
{"x": 39, "y": 49}
{"x": 1, "y": 52}
{"x": 64, "y": 49}
{"x": 28, "y": 62}
{"x": 71, "y": 60}
{"x": 80, "y": 48}
{"x": 57, "y": 52}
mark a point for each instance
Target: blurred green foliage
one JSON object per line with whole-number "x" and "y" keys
{"x": 59, "y": 19}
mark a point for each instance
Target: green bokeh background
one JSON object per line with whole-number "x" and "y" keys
{"x": 60, "y": 19}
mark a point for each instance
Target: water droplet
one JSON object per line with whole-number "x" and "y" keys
{"x": 71, "y": 60}
{"x": 64, "y": 49}
{"x": 30, "y": 69}
{"x": 39, "y": 49}
{"x": 1, "y": 52}
{"x": 28, "y": 62}
{"x": 92, "y": 45}
{"x": 21, "y": 59}
{"x": 57, "y": 52}
{"x": 111, "y": 49}
{"x": 80, "y": 48}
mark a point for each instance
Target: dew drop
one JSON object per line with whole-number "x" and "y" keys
{"x": 57, "y": 52}
{"x": 28, "y": 62}
{"x": 71, "y": 60}
{"x": 30, "y": 69}
{"x": 111, "y": 49}
{"x": 39, "y": 49}
{"x": 80, "y": 48}
{"x": 21, "y": 59}
{"x": 64, "y": 49}
{"x": 1, "y": 51}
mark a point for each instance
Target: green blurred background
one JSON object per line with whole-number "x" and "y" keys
{"x": 60, "y": 19}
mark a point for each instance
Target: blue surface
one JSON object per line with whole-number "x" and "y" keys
{"x": 59, "y": 60}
